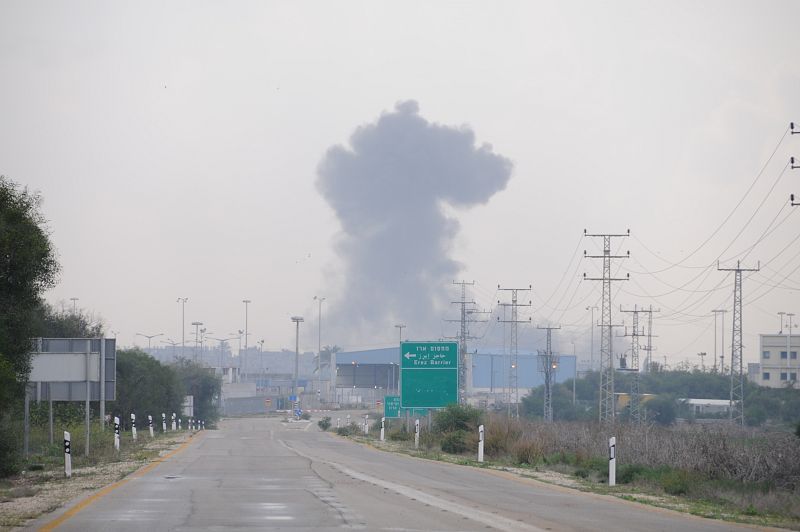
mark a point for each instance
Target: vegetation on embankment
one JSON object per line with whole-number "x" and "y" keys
{"x": 719, "y": 471}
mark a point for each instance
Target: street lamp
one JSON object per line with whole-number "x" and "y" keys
{"x": 182, "y": 301}
{"x": 149, "y": 337}
{"x": 246, "y": 304}
{"x": 400, "y": 326}
{"x": 74, "y": 304}
{"x": 319, "y": 343}
{"x": 297, "y": 320}
{"x": 197, "y": 325}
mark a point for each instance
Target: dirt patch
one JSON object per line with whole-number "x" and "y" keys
{"x": 33, "y": 493}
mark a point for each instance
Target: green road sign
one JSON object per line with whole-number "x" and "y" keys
{"x": 414, "y": 412}
{"x": 428, "y": 374}
{"x": 391, "y": 406}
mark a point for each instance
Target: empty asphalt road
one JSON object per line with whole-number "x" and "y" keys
{"x": 265, "y": 474}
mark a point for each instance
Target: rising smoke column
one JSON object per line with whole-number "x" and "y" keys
{"x": 387, "y": 189}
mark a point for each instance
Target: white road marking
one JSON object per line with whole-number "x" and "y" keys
{"x": 489, "y": 519}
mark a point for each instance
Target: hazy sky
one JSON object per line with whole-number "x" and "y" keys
{"x": 181, "y": 148}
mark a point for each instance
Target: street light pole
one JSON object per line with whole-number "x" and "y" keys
{"x": 319, "y": 344}
{"x": 297, "y": 320}
{"x": 400, "y": 326}
{"x": 182, "y": 301}
{"x": 197, "y": 325}
{"x": 74, "y": 304}
{"x": 246, "y": 304}
{"x": 150, "y": 337}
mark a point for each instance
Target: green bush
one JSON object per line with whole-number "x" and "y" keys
{"x": 676, "y": 482}
{"x": 305, "y": 415}
{"x": 457, "y": 417}
{"x": 627, "y": 473}
{"x": 344, "y": 431}
{"x": 400, "y": 435}
{"x": 324, "y": 423}
{"x": 527, "y": 452}
{"x": 455, "y": 442}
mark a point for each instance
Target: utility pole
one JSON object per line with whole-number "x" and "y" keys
{"x": 635, "y": 395}
{"x": 513, "y": 379}
{"x": 297, "y": 320}
{"x": 197, "y": 325}
{"x": 182, "y": 301}
{"x": 246, "y": 304}
{"x": 607, "y": 406}
{"x": 649, "y": 347}
{"x": 548, "y": 364}
{"x": 319, "y": 345}
{"x": 464, "y": 358}
{"x": 736, "y": 409}
{"x": 591, "y": 334}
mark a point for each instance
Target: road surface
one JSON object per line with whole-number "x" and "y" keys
{"x": 265, "y": 474}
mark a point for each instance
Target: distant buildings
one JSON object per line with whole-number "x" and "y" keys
{"x": 778, "y": 362}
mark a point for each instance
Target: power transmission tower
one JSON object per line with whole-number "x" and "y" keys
{"x": 649, "y": 347}
{"x": 548, "y": 366}
{"x": 513, "y": 379}
{"x": 736, "y": 408}
{"x": 465, "y": 360}
{"x": 606, "y": 354}
{"x": 634, "y": 405}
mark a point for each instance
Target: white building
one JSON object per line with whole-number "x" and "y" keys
{"x": 778, "y": 359}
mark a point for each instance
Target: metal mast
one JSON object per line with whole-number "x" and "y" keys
{"x": 633, "y": 367}
{"x": 513, "y": 380}
{"x": 736, "y": 410}
{"x": 548, "y": 365}
{"x": 606, "y": 410}
{"x": 465, "y": 359}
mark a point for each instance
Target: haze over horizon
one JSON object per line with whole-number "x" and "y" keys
{"x": 372, "y": 154}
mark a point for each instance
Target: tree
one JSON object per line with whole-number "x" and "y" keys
{"x": 145, "y": 386}
{"x": 28, "y": 266}
{"x": 201, "y": 383}
{"x": 52, "y": 323}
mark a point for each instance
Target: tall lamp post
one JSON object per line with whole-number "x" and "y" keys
{"x": 591, "y": 346}
{"x": 197, "y": 325}
{"x": 246, "y": 304}
{"x": 149, "y": 337}
{"x": 319, "y": 344}
{"x": 400, "y": 327}
{"x": 297, "y": 320}
{"x": 182, "y": 301}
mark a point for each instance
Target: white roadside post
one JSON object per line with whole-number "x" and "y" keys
{"x": 203, "y": 425}
{"x": 116, "y": 433}
{"x": 163, "y": 422}
{"x": 348, "y": 420}
{"x": 416, "y": 434}
{"x": 173, "y": 421}
{"x": 133, "y": 426}
{"x": 338, "y": 421}
{"x": 612, "y": 461}
{"x": 180, "y": 424}
{"x": 150, "y": 424}
{"x": 383, "y": 427}
{"x": 480, "y": 443}
{"x": 366, "y": 424}
{"x": 67, "y": 454}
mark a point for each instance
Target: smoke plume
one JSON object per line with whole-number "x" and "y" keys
{"x": 387, "y": 189}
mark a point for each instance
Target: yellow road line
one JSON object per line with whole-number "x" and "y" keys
{"x": 52, "y": 525}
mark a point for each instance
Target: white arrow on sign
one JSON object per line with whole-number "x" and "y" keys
{"x": 410, "y": 355}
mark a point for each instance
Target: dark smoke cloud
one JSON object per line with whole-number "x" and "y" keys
{"x": 387, "y": 189}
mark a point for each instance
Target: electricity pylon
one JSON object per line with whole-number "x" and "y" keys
{"x": 548, "y": 364}
{"x": 634, "y": 405}
{"x": 513, "y": 378}
{"x": 465, "y": 359}
{"x": 607, "y": 406}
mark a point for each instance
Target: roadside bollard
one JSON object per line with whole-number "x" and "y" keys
{"x": 480, "y": 443}
{"x": 416, "y": 434}
{"x": 203, "y": 425}
{"x": 366, "y": 424}
{"x": 174, "y": 418}
{"x": 180, "y": 425}
{"x": 133, "y": 426}
{"x": 163, "y": 422}
{"x": 67, "y": 454}
{"x": 612, "y": 461}
{"x": 150, "y": 424}
{"x": 338, "y": 420}
{"x": 383, "y": 427}
{"x": 116, "y": 433}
